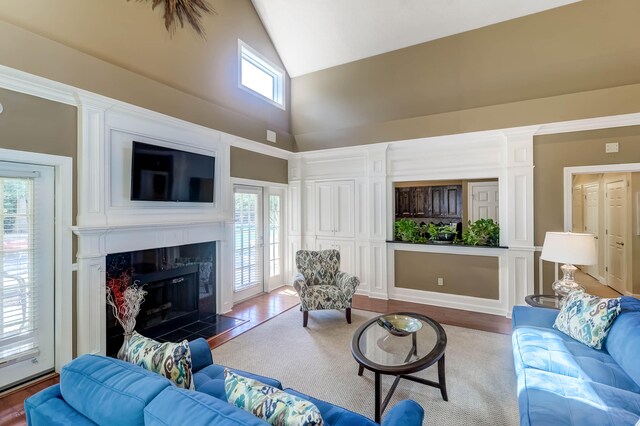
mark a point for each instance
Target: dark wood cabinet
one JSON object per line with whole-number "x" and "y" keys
{"x": 438, "y": 202}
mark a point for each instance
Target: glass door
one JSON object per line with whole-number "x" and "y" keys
{"x": 248, "y": 242}
{"x": 275, "y": 249}
{"x": 26, "y": 272}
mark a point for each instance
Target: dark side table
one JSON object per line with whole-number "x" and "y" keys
{"x": 551, "y": 301}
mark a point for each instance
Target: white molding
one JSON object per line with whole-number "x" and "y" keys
{"x": 63, "y": 315}
{"x": 253, "y": 182}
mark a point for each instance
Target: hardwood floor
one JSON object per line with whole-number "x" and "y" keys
{"x": 266, "y": 306}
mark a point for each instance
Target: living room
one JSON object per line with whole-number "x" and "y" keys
{"x": 441, "y": 103}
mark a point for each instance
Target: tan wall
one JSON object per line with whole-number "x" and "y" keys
{"x": 251, "y": 165}
{"x": 120, "y": 49}
{"x": 475, "y": 276}
{"x": 575, "y": 61}
{"x": 552, "y": 153}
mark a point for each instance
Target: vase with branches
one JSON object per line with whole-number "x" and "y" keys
{"x": 125, "y": 299}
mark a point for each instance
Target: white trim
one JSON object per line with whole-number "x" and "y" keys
{"x": 63, "y": 254}
{"x": 253, "y": 182}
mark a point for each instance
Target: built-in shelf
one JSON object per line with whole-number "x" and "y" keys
{"x": 444, "y": 245}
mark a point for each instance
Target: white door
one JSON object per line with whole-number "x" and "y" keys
{"x": 275, "y": 247}
{"x": 343, "y": 209}
{"x": 616, "y": 220}
{"x": 591, "y": 219}
{"x": 483, "y": 201}
{"x": 346, "y": 249}
{"x": 577, "y": 209}
{"x": 324, "y": 206}
{"x": 248, "y": 242}
{"x": 26, "y": 265}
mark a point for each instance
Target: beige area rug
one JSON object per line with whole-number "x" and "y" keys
{"x": 318, "y": 361}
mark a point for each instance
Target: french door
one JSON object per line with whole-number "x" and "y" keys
{"x": 275, "y": 252}
{"x": 248, "y": 242}
{"x": 26, "y": 272}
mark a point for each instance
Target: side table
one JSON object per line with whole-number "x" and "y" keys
{"x": 551, "y": 301}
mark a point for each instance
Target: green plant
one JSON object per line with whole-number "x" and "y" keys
{"x": 482, "y": 232}
{"x": 437, "y": 231}
{"x": 406, "y": 229}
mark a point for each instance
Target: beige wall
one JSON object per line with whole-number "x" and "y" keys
{"x": 475, "y": 276}
{"x": 251, "y": 165}
{"x": 552, "y": 153}
{"x": 577, "y": 61}
{"x": 120, "y": 49}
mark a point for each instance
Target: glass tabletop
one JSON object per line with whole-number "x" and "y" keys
{"x": 375, "y": 345}
{"x": 545, "y": 301}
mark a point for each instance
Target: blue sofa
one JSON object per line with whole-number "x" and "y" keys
{"x": 563, "y": 382}
{"x": 105, "y": 391}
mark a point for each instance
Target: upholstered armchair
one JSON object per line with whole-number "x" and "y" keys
{"x": 321, "y": 285}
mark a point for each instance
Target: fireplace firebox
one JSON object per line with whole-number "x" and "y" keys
{"x": 181, "y": 292}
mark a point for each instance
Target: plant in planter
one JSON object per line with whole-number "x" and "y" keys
{"x": 406, "y": 230}
{"x": 441, "y": 232}
{"x": 482, "y": 232}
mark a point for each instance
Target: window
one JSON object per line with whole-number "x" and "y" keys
{"x": 275, "y": 219}
{"x": 259, "y": 76}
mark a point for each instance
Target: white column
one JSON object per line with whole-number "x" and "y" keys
{"x": 380, "y": 215}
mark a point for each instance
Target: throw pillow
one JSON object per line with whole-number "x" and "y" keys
{"x": 587, "y": 318}
{"x": 171, "y": 360}
{"x": 272, "y": 405}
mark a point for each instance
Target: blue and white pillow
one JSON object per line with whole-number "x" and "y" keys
{"x": 587, "y": 318}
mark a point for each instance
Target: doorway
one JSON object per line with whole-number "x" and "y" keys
{"x": 599, "y": 202}
{"x": 27, "y": 284}
{"x": 248, "y": 242}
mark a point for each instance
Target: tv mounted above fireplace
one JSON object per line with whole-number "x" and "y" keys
{"x": 167, "y": 174}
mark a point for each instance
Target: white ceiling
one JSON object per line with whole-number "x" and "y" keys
{"x": 311, "y": 35}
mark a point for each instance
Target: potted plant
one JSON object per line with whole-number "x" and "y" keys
{"x": 406, "y": 229}
{"x": 442, "y": 233}
{"x": 482, "y": 232}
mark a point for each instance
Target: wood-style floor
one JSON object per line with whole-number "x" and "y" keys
{"x": 266, "y": 306}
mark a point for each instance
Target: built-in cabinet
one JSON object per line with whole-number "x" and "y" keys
{"x": 437, "y": 202}
{"x": 335, "y": 209}
{"x": 346, "y": 249}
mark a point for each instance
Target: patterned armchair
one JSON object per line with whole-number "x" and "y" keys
{"x": 321, "y": 285}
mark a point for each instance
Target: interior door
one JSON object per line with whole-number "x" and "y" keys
{"x": 27, "y": 271}
{"x": 248, "y": 242}
{"x": 616, "y": 221}
{"x": 324, "y": 206}
{"x": 577, "y": 209}
{"x": 591, "y": 219}
{"x": 484, "y": 201}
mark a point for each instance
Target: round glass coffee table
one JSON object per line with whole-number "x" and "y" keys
{"x": 399, "y": 344}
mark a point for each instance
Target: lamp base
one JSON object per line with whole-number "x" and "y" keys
{"x": 567, "y": 284}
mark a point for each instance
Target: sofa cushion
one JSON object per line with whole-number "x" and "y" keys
{"x": 587, "y": 318}
{"x": 109, "y": 391}
{"x": 551, "y": 399}
{"x": 180, "y": 407}
{"x": 623, "y": 343}
{"x": 524, "y": 316}
{"x": 268, "y": 403}
{"x": 549, "y": 350}
{"x": 210, "y": 380}
{"x": 171, "y": 360}
{"x": 47, "y": 408}
{"x": 333, "y": 415}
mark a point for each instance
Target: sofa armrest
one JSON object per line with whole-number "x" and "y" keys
{"x": 404, "y": 413}
{"x": 348, "y": 283}
{"x": 529, "y": 316}
{"x": 300, "y": 284}
{"x": 200, "y": 354}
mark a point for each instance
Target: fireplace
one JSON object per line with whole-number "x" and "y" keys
{"x": 181, "y": 292}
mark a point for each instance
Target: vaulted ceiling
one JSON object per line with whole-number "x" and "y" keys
{"x": 312, "y": 35}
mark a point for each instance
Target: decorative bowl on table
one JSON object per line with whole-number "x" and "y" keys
{"x": 399, "y": 325}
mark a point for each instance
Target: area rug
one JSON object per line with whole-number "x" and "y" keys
{"x": 317, "y": 360}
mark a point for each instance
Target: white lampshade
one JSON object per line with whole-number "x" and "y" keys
{"x": 570, "y": 248}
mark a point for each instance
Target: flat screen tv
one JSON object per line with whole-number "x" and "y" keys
{"x": 166, "y": 174}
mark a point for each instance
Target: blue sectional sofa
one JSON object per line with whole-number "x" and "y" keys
{"x": 97, "y": 390}
{"x": 563, "y": 382}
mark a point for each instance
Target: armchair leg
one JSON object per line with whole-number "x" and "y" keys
{"x": 348, "y": 313}
{"x": 305, "y": 318}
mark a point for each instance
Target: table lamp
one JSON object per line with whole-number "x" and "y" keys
{"x": 571, "y": 249}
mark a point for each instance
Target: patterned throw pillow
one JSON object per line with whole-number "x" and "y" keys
{"x": 171, "y": 360}
{"x": 587, "y": 318}
{"x": 272, "y": 405}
